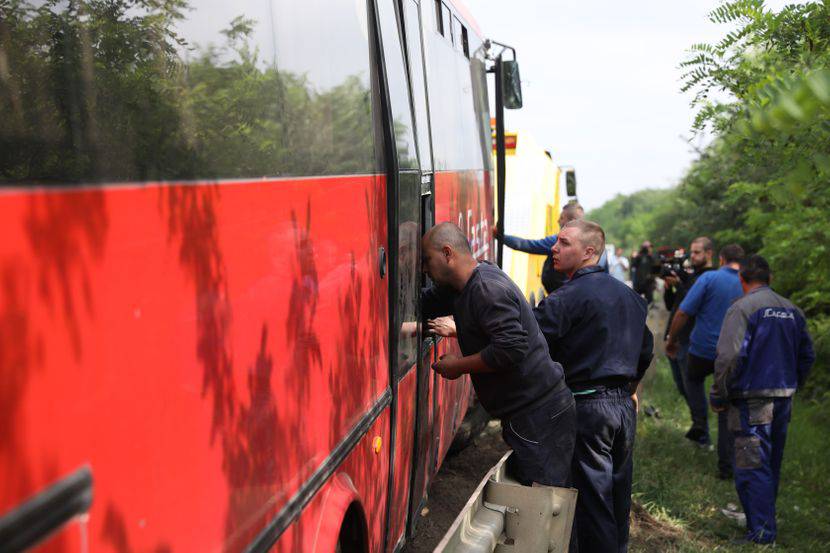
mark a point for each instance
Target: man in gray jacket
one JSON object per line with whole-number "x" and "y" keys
{"x": 763, "y": 355}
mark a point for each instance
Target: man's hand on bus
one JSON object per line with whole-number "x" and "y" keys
{"x": 448, "y": 366}
{"x": 442, "y": 326}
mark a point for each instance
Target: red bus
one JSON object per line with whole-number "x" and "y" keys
{"x": 210, "y": 215}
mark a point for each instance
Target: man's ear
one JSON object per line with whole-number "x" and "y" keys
{"x": 590, "y": 252}
{"x": 447, "y": 251}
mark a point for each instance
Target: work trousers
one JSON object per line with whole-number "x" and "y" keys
{"x": 678, "y": 368}
{"x": 542, "y": 440}
{"x": 697, "y": 369}
{"x": 602, "y": 469}
{"x": 760, "y": 430}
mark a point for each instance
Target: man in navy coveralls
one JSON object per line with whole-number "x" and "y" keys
{"x": 595, "y": 326}
{"x": 764, "y": 354}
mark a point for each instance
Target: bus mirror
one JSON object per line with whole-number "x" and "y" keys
{"x": 570, "y": 182}
{"x": 511, "y": 84}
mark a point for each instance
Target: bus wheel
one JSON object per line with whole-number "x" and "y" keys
{"x": 352, "y": 538}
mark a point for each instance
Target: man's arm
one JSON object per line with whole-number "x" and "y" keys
{"x": 497, "y": 314}
{"x": 678, "y": 322}
{"x": 688, "y": 308}
{"x": 646, "y": 354}
{"x": 732, "y": 334}
{"x": 553, "y": 319}
{"x": 499, "y": 317}
{"x": 436, "y": 302}
{"x": 450, "y": 366}
{"x": 541, "y": 246}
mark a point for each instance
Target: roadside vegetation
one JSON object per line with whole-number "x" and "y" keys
{"x": 763, "y": 92}
{"x": 680, "y": 496}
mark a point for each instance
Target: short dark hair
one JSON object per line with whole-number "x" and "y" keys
{"x": 732, "y": 253}
{"x": 448, "y": 234}
{"x": 573, "y": 211}
{"x": 590, "y": 234}
{"x": 705, "y": 242}
{"x": 755, "y": 269}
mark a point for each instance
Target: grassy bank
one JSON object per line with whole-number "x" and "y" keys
{"x": 675, "y": 482}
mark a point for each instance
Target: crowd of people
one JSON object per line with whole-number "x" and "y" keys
{"x": 563, "y": 376}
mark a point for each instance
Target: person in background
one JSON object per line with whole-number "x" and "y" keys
{"x": 619, "y": 266}
{"x": 632, "y": 271}
{"x": 644, "y": 278}
{"x": 551, "y": 278}
{"x": 595, "y": 326}
{"x": 707, "y": 300}
{"x": 505, "y": 355}
{"x": 764, "y": 354}
{"x": 701, "y": 254}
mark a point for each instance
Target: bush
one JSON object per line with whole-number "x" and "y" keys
{"x": 818, "y": 383}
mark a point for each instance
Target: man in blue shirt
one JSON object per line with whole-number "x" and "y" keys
{"x": 551, "y": 278}
{"x": 764, "y": 355}
{"x": 707, "y": 301}
{"x": 595, "y": 326}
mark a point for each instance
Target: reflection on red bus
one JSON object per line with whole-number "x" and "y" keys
{"x": 211, "y": 215}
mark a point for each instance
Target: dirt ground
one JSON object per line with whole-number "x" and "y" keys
{"x": 462, "y": 472}
{"x": 452, "y": 487}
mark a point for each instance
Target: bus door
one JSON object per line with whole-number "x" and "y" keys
{"x": 405, "y": 192}
{"x": 427, "y": 427}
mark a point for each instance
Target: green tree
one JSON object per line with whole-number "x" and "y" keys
{"x": 763, "y": 181}
{"x": 95, "y": 90}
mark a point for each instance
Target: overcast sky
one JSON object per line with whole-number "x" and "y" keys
{"x": 601, "y": 84}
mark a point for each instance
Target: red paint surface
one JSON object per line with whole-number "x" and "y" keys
{"x": 203, "y": 348}
{"x": 403, "y": 456}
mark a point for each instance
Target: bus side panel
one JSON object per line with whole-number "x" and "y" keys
{"x": 202, "y": 348}
{"x": 453, "y": 400}
{"x": 319, "y": 525}
{"x": 466, "y": 199}
{"x": 403, "y": 455}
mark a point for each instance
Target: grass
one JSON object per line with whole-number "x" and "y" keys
{"x": 680, "y": 496}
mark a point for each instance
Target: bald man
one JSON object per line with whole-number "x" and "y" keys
{"x": 595, "y": 326}
{"x": 505, "y": 355}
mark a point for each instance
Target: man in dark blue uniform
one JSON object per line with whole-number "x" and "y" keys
{"x": 551, "y": 278}
{"x": 595, "y": 326}
{"x": 505, "y": 355}
{"x": 764, "y": 354}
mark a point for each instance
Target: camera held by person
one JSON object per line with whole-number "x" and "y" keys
{"x": 677, "y": 266}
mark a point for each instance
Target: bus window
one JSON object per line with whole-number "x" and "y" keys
{"x": 408, "y": 192}
{"x": 446, "y": 19}
{"x": 398, "y": 87}
{"x": 439, "y": 21}
{"x": 457, "y": 34}
{"x": 416, "y": 72}
{"x": 283, "y": 90}
{"x": 465, "y": 42}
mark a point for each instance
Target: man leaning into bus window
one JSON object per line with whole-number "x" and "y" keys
{"x": 595, "y": 326}
{"x": 505, "y": 355}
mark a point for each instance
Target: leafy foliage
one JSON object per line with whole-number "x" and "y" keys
{"x": 764, "y": 182}
{"x": 108, "y": 90}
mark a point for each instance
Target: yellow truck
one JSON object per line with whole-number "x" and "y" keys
{"x": 532, "y": 205}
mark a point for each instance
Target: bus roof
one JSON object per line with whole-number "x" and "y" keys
{"x": 464, "y": 12}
